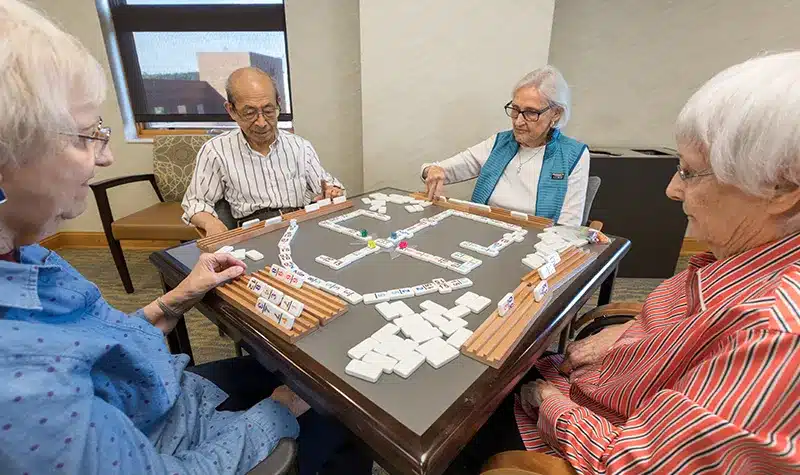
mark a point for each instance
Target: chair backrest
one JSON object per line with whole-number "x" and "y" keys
{"x": 173, "y": 163}
{"x": 591, "y": 192}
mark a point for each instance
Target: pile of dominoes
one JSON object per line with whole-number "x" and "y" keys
{"x": 553, "y": 241}
{"x": 409, "y": 339}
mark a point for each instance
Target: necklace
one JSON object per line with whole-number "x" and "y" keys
{"x": 521, "y": 163}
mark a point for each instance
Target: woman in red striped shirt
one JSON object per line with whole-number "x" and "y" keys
{"x": 706, "y": 378}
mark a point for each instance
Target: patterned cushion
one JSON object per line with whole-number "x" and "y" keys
{"x": 173, "y": 162}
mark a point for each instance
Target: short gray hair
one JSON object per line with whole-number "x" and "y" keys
{"x": 551, "y": 83}
{"x": 746, "y": 121}
{"x": 44, "y": 73}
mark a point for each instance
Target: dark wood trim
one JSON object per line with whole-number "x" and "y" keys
{"x": 129, "y": 18}
{"x": 394, "y": 446}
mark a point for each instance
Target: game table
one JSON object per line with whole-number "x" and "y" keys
{"x": 416, "y": 425}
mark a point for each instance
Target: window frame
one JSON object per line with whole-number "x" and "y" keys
{"x": 125, "y": 20}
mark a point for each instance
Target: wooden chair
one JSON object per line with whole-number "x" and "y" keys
{"x": 520, "y": 462}
{"x": 173, "y": 165}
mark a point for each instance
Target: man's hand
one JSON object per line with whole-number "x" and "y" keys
{"x": 533, "y": 394}
{"x": 434, "y": 181}
{"x": 329, "y": 191}
{"x": 208, "y": 223}
{"x": 215, "y": 227}
{"x": 590, "y": 350}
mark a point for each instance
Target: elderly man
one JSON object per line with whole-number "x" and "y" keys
{"x": 533, "y": 168}
{"x": 258, "y": 169}
{"x": 705, "y": 379}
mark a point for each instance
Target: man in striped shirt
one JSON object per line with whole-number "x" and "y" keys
{"x": 258, "y": 169}
{"x": 706, "y": 379}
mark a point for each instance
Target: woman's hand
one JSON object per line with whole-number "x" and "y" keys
{"x": 210, "y": 271}
{"x": 434, "y": 181}
{"x": 533, "y": 394}
{"x": 591, "y": 350}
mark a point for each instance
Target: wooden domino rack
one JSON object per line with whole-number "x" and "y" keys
{"x": 235, "y": 236}
{"x": 497, "y": 337}
{"x": 319, "y": 308}
{"x": 499, "y": 214}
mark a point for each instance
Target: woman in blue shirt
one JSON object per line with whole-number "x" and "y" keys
{"x": 86, "y": 388}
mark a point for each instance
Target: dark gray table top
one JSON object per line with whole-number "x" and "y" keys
{"x": 419, "y": 401}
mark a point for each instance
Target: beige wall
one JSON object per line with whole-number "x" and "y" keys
{"x": 324, "y": 68}
{"x": 633, "y": 64}
{"x": 435, "y": 76}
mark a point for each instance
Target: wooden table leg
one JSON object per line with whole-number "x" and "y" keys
{"x": 607, "y": 288}
{"x": 178, "y": 338}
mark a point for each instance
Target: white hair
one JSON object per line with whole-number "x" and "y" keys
{"x": 552, "y": 85}
{"x": 746, "y": 121}
{"x": 44, "y": 74}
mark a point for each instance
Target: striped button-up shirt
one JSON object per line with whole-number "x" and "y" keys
{"x": 289, "y": 176}
{"x": 707, "y": 380}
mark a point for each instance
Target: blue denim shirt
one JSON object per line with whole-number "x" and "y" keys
{"x": 88, "y": 389}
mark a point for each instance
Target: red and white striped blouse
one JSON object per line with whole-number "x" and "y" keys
{"x": 706, "y": 381}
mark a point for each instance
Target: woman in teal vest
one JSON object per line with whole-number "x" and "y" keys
{"x": 532, "y": 168}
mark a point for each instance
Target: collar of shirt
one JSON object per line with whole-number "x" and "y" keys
{"x": 19, "y": 281}
{"x": 243, "y": 141}
{"x": 709, "y": 277}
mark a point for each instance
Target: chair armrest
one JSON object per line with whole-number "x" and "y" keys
{"x": 280, "y": 461}
{"x": 606, "y": 315}
{"x": 521, "y": 462}
{"x": 598, "y": 225}
{"x": 104, "y": 185}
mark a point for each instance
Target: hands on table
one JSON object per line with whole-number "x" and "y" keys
{"x": 329, "y": 191}
{"x": 434, "y": 181}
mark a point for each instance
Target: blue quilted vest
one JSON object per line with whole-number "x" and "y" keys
{"x": 561, "y": 154}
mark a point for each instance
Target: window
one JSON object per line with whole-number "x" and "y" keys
{"x": 175, "y": 56}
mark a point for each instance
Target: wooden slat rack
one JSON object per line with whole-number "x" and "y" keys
{"x": 499, "y": 214}
{"x": 235, "y": 236}
{"x": 319, "y": 308}
{"x": 497, "y": 337}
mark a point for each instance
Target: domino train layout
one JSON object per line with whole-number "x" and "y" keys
{"x": 409, "y": 338}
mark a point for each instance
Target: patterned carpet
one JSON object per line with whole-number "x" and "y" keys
{"x": 207, "y": 345}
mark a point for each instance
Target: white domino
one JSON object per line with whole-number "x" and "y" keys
{"x": 357, "y": 352}
{"x": 518, "y": 215}
{"x": 453, "y": 325}
{"x": 444, "y": 287}
{"x": 424, "y": 289}
{"x": 385, "y": 362}
{"x": 437, "y": 352}
{"x": 459, "y": 311}
{"x": 385, "y": 346}
{"x": 458, "y": 284}
{"x": 478, "y": 304}
{"x": 546, "y": 271}
{"x": 324, "y": 202}
{"x": 340, "y": 199}
{"x": 250, "y": 223}
{"x": 402, "y": 309}
{"x": 382, "y": 210}
{"x": 239, "y": 253}
{"x": 387, "y": 310}
{"x": 505, "y": 304}
{"x": 466, "y": 298}
{"x": 459, "y": 337}
{"x": 534, "y": 261}
{"x": 352, "y": 296}
{"x": 377, "y": 297}
{"x": 384, "y": 332}
{"x": 434, "y": 318}
{"x": 366, "y": 201}
{"x": 362, "y": 370}
{"x": 432, "y": 306}
{"x": 406, "y": 366}
{"x": 224, "y": 250}
{"x": 254, "y": 255}
{"x": 273, "y": 220}
{"x": 312, "y": 207}
{"x": 540, "y": 291}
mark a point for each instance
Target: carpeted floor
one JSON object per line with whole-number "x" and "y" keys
{"x": 97, "y": 266}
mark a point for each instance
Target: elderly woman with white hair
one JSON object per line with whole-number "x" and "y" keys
{"x": 706, "y": 379}
{"x": 533, "y": 168}
{"x": 85, "y": 387}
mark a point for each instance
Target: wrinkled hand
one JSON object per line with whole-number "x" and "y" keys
{"x": 329, "y": 191}
{"x": 590, "y": 350}
{"x": 210, "y": 271}
{"x": 292, "y": 401}
{"x": 434, "y": 181}
{"x": 215, "y": 227}
{"x": 534, "y": 393}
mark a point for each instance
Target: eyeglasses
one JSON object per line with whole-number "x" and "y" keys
{"x": 251, "y": 114}
{"x": 530, "y": 115}
{"x": 686, "y": 174}
{"x": 99, "y": 134}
